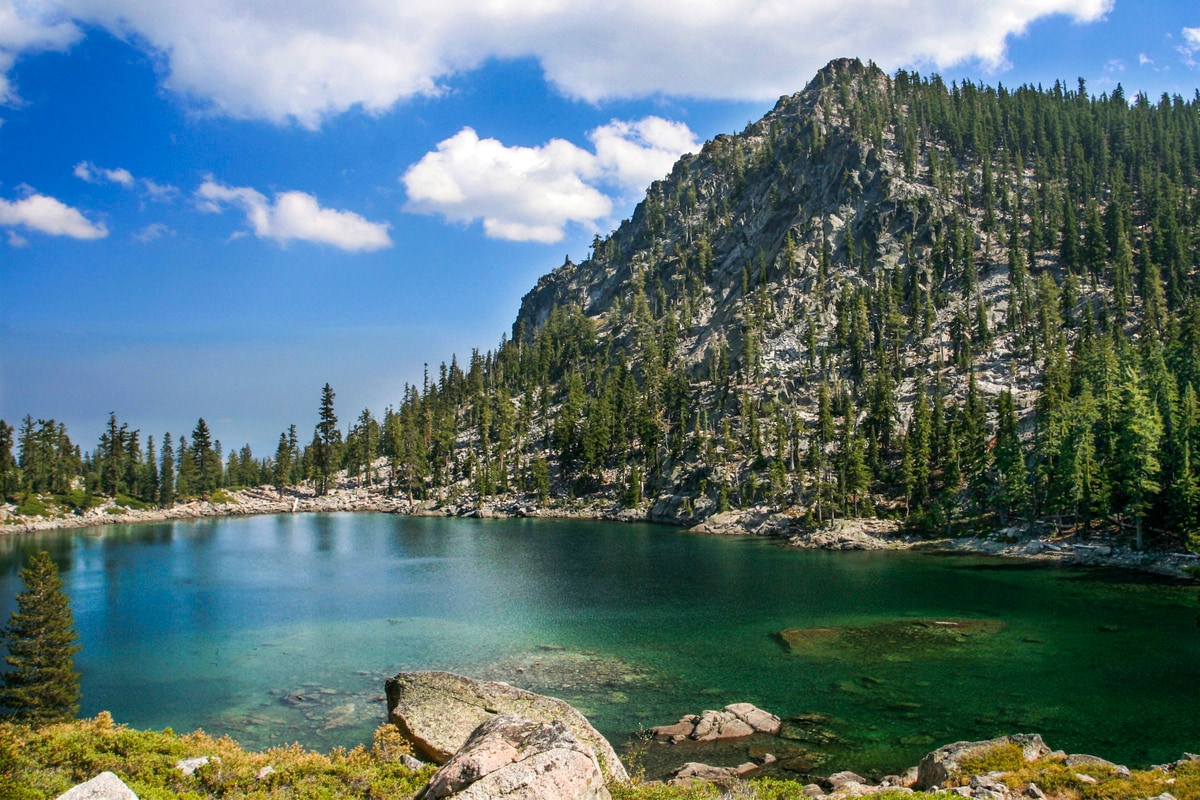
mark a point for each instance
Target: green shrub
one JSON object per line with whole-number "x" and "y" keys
{"x": 32, "y": 506}
{"x": 131, "y": 502}
{"x": 44, "y": 763}
{"x": 78, "y": 499}
{"x": 1000, "y": 758}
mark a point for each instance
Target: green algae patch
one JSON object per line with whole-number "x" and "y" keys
{"x": 891, "y": 639}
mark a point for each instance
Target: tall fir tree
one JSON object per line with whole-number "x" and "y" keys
{"x": 327, "y": 441}
{"x": 41, "y": 685}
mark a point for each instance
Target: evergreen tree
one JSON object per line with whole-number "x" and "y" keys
{"x": 41, "y": 685}
{"x": 9, "y": 478}
{"x": 327, "y": 440}
{"x": 166, "y": 474}
{"x": 206, "y": 459}
{"x": 1138, "y": 431}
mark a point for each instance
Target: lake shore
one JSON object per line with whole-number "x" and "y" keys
{"x": 846, "y": 534}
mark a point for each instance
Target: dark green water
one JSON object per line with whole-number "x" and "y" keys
{"x": 214, "y": 624}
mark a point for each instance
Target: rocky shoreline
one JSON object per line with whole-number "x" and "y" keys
{"x": 843, "y": 534}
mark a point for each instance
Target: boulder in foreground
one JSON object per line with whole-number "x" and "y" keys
{"x": 519, "y": 759}
{"x": 439, "y": 711}
{"x": 105, "y": 786}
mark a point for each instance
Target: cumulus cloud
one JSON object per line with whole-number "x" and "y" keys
{"x": 521, "y": 193}
{"x": 89, "y": 172}
{"x": 44, "y": 214}
{"x": 638, "y": 153}
{"x": 295, "y": 216}
{"x": 533, "y": 193}
{"x": 27, "y": 28}
{"x": 306, "y": 61}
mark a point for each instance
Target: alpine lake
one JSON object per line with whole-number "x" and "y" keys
{"x": 276, "y": 629}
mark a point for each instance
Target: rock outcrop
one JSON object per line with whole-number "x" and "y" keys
{"x": 519, "y": 759}
{"x": 438, "y": 712}
{"x": 735, "y": 721}
{"x": 105, "y": 786}
{"x": 942, "y": 765}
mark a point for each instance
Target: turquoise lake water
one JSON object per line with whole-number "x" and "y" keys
{"x": 283, "y": 628}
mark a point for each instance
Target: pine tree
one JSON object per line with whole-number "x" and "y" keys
{"x": 41, "y": 685}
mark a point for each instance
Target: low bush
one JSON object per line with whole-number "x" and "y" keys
{"x": 41, "y": 764}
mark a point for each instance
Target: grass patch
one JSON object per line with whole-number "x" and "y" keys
{"x": 221, "y": 497}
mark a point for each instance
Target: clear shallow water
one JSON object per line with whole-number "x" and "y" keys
{"x": 280, "y": 629}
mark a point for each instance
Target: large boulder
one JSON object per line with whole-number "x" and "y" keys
{"x": 519, "y": 759}
{"x": 942, "y": 765}
{"x": 105, "y": 786}
{"x": 438, "y": 712}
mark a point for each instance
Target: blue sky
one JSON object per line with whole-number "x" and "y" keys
{"x": 213, "y": 208}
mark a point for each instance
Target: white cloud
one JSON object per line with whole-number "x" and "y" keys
{"x": 533, "y": 193}
{"x": 1144, "y": 59}
{"x": 155, "y": 230}
{"x": 159, "y": 192}
{"x": 38, "y": 212}
{"x": 17, "y": 240}
{"x": 27, "y": 28}
{"x": 152, "y": 190}
{"x": 638, "y": 153}
{"x": 295, "y": 216}
{"x": 89, "y": 172}
{"x": 306, "y": 61}
{"x": 1191, "y": 39}
{"x": 520, "y": 193}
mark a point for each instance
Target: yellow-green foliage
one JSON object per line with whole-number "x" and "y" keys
{"x": 1000, "y": 758}
{"x": 660, "y": 791}
{"x": 1056, "y": 779}
{"x": 44, "y": 763}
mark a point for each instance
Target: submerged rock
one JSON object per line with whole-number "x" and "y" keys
{"x": 519, "y": 759}
{"x": 894, "y": 637}
{"x": 438, "y": 711}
